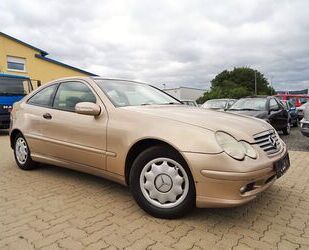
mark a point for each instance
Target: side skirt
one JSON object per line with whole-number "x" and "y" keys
{"x": 79, "y": 167}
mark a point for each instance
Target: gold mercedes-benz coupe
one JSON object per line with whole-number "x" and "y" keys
{"x": 172, "y": 156}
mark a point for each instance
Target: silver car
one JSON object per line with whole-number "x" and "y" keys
{"x": 304, "y": 123}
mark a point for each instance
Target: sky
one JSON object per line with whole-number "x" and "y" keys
{"x": 171, "y": 42}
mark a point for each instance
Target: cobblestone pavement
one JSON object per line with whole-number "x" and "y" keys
{"x": 55, "y": 208}
{"x": 296, "y": 141}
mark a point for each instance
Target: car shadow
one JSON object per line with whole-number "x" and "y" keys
{"x": 102, "y": 187}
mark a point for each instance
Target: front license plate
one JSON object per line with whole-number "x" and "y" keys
{"x": 282, "y": 165}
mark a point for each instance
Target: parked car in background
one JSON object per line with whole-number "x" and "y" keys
{"x": 173, "y": 157}
{"x": 12, "y": 89}
{"x": 189, "y": 103}
{"x": 218, "y": 104}
{"x": 292, "y": 112}
{"x": 296, "y": 99}
{"x": 304, "y": 123}
{"x": 300, "y": 110}
{"x": 268, "y": 108}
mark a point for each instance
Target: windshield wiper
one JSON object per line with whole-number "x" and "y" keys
{"x": 171, "y": 103}
{"x": 245, "y": 109}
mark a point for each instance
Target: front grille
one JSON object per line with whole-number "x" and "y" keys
{"x": 268, "y": 141}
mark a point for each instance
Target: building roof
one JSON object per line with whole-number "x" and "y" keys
{"x": 63, "y": 64}
{"x": 294, "y": 92}
{"x": 42, "y": 55}
{"x": 42, "y": 52}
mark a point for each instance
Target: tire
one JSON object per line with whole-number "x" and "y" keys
{"x": 22, "y": 153}
{"x": 287, "y": 130}
{"x": 162, "y": 173}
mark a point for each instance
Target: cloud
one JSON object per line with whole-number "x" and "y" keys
{"x": 179, "y": 43}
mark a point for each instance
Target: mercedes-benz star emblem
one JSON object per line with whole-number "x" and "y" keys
{"x": 272, "y": 142}
{"x": 163, "y": 183}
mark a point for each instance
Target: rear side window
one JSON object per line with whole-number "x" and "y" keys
{"x": 71, "y": 93}
{"x": 44, "y": 97}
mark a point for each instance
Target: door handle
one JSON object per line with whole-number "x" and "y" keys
{"x": 47, "y": 116}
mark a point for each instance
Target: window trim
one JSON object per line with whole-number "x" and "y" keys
{"x": 16, "y": 61}
{"x": 70, "y": 81}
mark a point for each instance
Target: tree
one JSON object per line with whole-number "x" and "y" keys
{"x": 237, "y": 83}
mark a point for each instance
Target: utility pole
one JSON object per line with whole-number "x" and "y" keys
{"x": 255, "y": 86}
{"x": 271, "y": 85}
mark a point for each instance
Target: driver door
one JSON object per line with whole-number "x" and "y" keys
{"x": 75, "y": 137}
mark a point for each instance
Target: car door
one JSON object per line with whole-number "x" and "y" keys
{"x": 76, "y": 137}
{"x": 278, "y": 116}
{"x": 34, "y": 109}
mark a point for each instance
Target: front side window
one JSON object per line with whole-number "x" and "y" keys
{"x": 16, "y": 63}
{"x": 71, "y": 93}
{"x": 125, "y": 93}
{"x": 44, "y": 97}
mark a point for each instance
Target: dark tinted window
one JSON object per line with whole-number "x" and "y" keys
{"x": 71, "y": 93}
{"x": 43, "y": 97}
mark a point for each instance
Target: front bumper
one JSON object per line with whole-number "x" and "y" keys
{"x": 4, "y": 121}
{"x": 221, "y": 181}
{"x": 304, "y": 127}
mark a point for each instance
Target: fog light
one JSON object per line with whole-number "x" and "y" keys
{"x": 243, "y": 189}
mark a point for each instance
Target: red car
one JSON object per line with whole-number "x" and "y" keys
{"x": 296, "y": 99}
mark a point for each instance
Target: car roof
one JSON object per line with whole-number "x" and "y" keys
{"x": 115, "y": 79}
{"x": 221, "y": 99}
{"x": 257, "y": 96}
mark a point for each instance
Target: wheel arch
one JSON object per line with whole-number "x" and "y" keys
{"x": 13, "y": 135}
{"x": 139, "y": 147}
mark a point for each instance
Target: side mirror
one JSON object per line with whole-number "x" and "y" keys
{"x": 87, "y": 108}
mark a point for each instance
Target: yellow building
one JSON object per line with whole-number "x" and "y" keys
{"x": 20, "y": 58}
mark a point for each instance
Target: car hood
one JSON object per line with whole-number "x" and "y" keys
{"x": 255, "y": 113}
{"x": 237, "y": 125}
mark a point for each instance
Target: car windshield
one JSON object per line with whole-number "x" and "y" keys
{"x": 215, "y": 104}
{"x": 126, "y": 93}
{"x": 257, "y": 104}
{"x": 14, "y": 86}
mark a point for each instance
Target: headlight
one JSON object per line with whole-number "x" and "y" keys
{"x": 249, "y": 150}
{"x": 230, "y": 145}
{"x": 234, "y": 148}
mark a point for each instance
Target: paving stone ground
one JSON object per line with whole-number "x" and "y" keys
{"x": 55, "y": 208}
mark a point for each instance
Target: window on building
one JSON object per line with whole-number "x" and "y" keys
{"x": 16, "y": 63}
